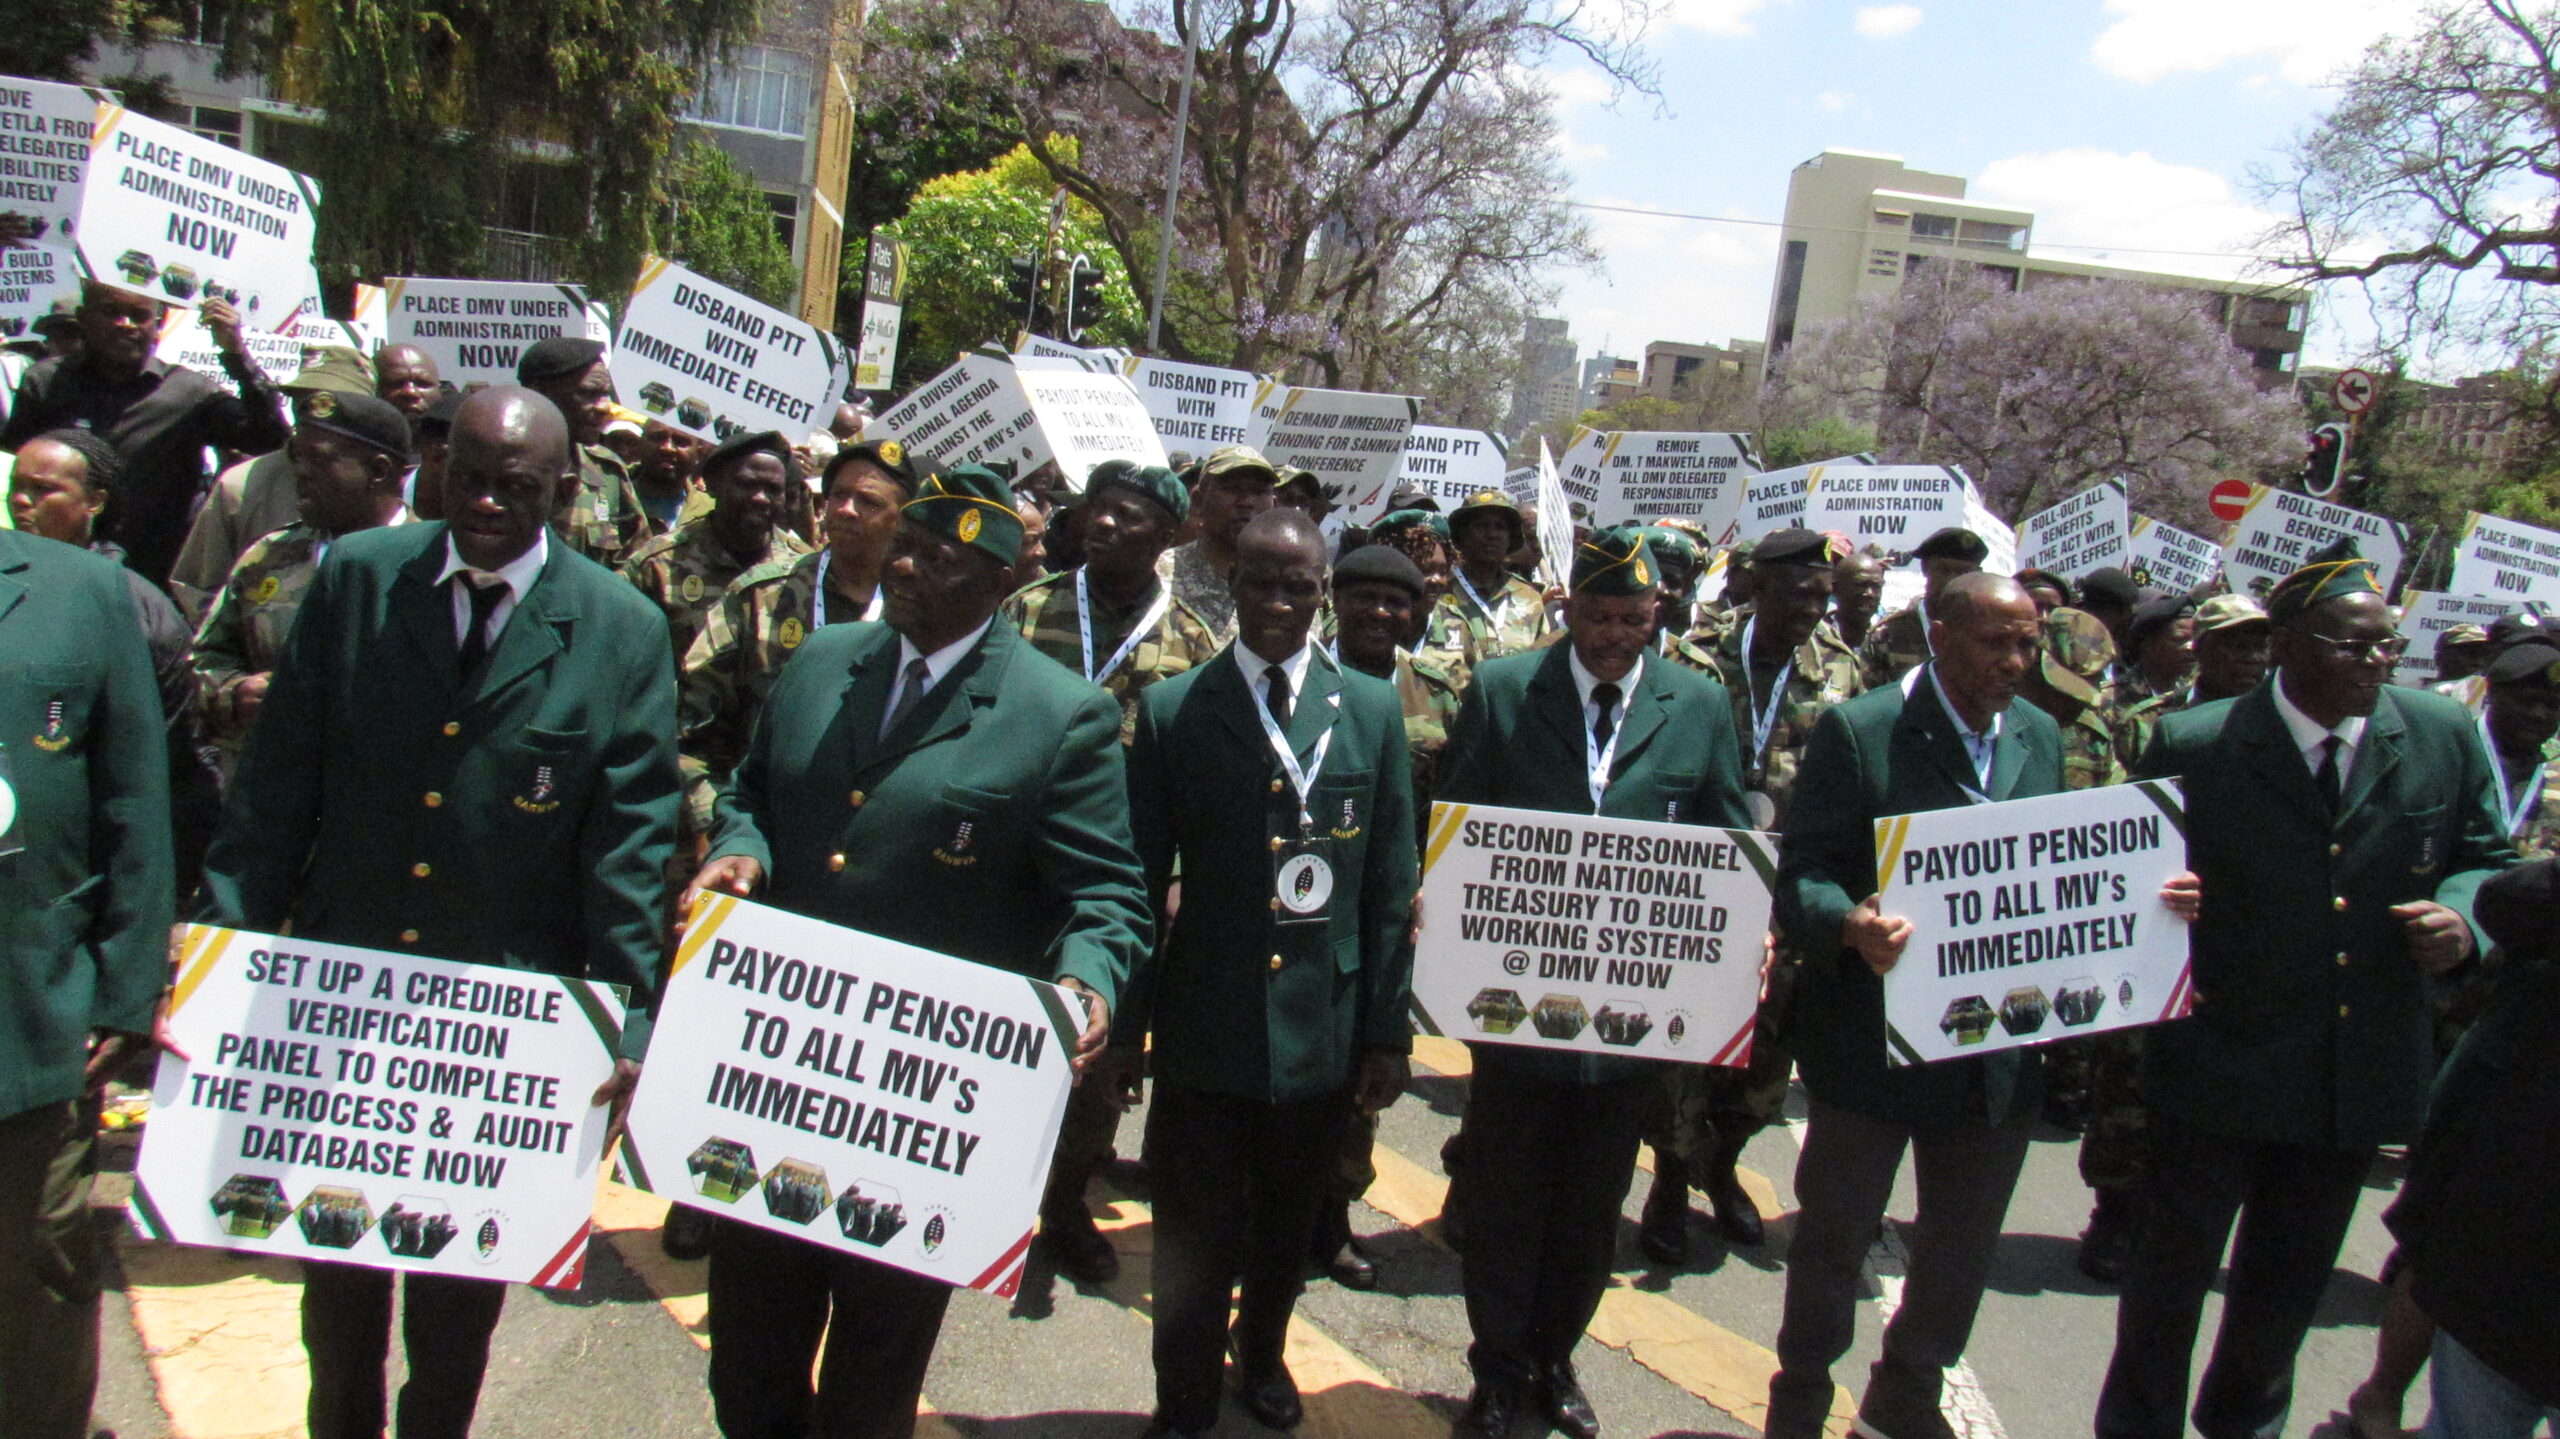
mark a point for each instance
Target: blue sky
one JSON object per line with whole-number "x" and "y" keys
{"x": 2128, "y": 124}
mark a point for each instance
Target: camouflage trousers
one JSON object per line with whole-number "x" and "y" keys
{"x": 2111, "y": 1152}
{"x": 1704, "y": 1103}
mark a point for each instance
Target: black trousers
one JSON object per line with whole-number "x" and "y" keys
{"x": 2294, "y": 1204}
{"x": 772, "y": 1297}
{"x": 48, "y": 1271}
{"x": 445, "y": 1324}
{"x": 1547, "y": 1165}
{"x": 1239, "y": 1185}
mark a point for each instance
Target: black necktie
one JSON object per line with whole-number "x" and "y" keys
{"x": 1275, "y": 696}
{"x": 484, "y": 604}
{"x": 2331, "y": 790}
{"x": 1605, "y": 696}
{"x": 910, "y": 698}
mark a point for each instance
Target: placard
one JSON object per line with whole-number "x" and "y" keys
{"x": 700, "y": 357}
{"x": 969, "y": 414}
{"x": 1893, "y": 507}
{"x": 170, "y": 214}
{"x": 2501, "y": 557}
{"x": 185, "y": 342}
{"x": 884, "y": 297}
{"x": 44, "y": 152}
{"x": 32, "y": 277}
{"x": 1353, "y": 442}
{"x": 2424, "y": 620}
{"x": 1449, "y": 465}
{"x": 2091, "y": 530}
{"x": 2168, "y": 559}
{"x": 864, "y": 1095}
{"x": 2000, "y": 541}
{"x": 1087, "y": 417}
{"x": 2033, "y": 920}
{"x": 2280, "y": 529}
{"x": 476, "y": 330}
{"x": 1196, "y": 408}
{"x": 1606, "y": 936}
{"x": 387, "y": 1110}
{"x": 1042, "y": 352}
{"x": 1773, "y": 500}
{"x": 1559, "y": 517}
{"x": 1649, "y": 475}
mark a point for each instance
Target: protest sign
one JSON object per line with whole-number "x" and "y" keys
{"x": 32, "y": 277}
{"x": 714, "y": 363}
{"x": 2166, "y": 558}
{"x": 1607, "y": 936}
{"x": 1557, "y": 516}
{"x": 2088, "y": 531}
{"x": 1352, "y": 441}
{"x": 2501, "y": 557}
{"x": 476, "y": 330}
{"x": 1449, "y": 465}
{"x": 1647, "y": 475}
{"x": 170, "y": 214}
{"x": 2033, "y": 920}
{"x": 186, "y": 343}
{"x": 379, "y": 1109}
{"x": 1087, "y": 417}
{"x": 2424, "y": 620}
{"x": 1041, "y": 352}
{"x": 1521, "y": 483}
{"x": 1998, "y": 539}
{"x": 1894, "y": 507}
{"x": 1773, "y": 500}
{"x": 1196, "y": 408}
{"x": 44, "y": 153}
{"x": 863, "y": 1095}
{"x": 969, "y": 414}
{"x": 2279, "y": 529}
{"x": 884, "y": 298}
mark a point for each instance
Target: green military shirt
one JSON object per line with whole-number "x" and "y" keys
{"x": 604, "y": 520}
{"x": 1506, "y": 622}
{"x": 1897, "y": 645}
{"x": 1447, "y": 642}
{"x": 1685, "y": 652}
{"x": 1050, "y": 616}
{"x": 1430, "y": 696}
{"x": 249, "y": 616}
{"x": 1823, "y": 674}
{"x": 1199, "y": 584}
{"x": 730, "y": 667}
{"x": 686, "y": 570}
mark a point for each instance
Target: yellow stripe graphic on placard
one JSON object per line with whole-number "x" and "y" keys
{"x": 1892, "y": 833}
{"x": 2257, "y": 497}
{"x": 709, "y": 913}
{"x": 203, "y": 948}
{"x": 649, "y": 273}
{"x": 1445, "y": 826}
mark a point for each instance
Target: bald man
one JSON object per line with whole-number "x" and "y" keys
{"x": 467, "y": 751}
{"x": 406, "y": 377}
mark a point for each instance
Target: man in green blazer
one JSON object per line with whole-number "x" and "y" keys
{"x": 1953, "y": 733}
{"x": 1277, "y": 1000}
{"x": 1597, "y": 725}
{"x": 2341, "y": 825}
{"x": 936, "y": 781}
{"x": 85, "y": 879}
{"x": 467, "y": 751}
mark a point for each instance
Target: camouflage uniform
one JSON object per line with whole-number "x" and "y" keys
{"x": 1517, "y": 621}
{"x": 1431, "y": 697}
{"x": 730, "y": 668}
{"x": 1045, "y": 612}
{"x": 1897, "y": 645}
{"x": 2538, "y": 837}
{"x": 1446, "y": 642}
{"x": 2099, "y": 746}
{"x": 1197, "y": 583}
{"x": 604, "y": 521}
{"x": 245, "y": 625}
{"x": 685, "y": 572}
{"x": 1686, "y": 651}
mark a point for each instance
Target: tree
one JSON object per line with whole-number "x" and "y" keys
{"x": 2041, "y": 391}
{"x": 718, "y": 224}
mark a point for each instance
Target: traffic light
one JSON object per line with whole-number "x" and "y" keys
{"x": 1022, "y": 291}
{"x": 2323, "y": 468}
{"x": 1084, "y": 299}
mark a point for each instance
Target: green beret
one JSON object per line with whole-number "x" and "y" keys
{"x": 1394, "y": 521}
{"x": 1378, "y": 565}
{"x": 1954, "y": 543}
{"x": 1614, "y": 562}
{"x": 889, "y": 455}
{"x": 2335, "y": 572}
{"x": 1488, "y": 502}
{"x": 970, "y": 504}
{"x": 1810, "y": 549}
{"x": 1671, "y": 547}
{"x": 1153, "y": 481}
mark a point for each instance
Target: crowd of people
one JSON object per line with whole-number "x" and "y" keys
{"x": 513, "y": 676}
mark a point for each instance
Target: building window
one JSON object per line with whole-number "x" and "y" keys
{"x": 760, "y": 88}
{"x": 786, "y": 215}
{"x": 1933, "y": 227}
{"x": 213, "y": 124}
{"x": 1782, "y": 325}
{"x": 1991, "y": 235}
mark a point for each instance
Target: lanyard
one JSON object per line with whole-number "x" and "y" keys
{"x": 818, "y": 601}
{"x": 2513, "y": 814}
{"x": 1145, "y": 626}
{"x": 1764, "y": 718}
{"x": 1470, "y": 587}
{"x": 1301, "y": 779}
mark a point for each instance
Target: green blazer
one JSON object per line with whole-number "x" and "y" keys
{"x": 1877, "y": 755}
{"x": 2312, "y": 1024}
{"x": 992, "y": 825}
{"x": 1520, "y": 743}
{"x": 87, "y": 902}
{"x": 524, "y": 820}
{"x": 1241, "y": 1004}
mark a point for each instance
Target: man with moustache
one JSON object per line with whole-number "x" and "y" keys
{"x": 752, "y": 482}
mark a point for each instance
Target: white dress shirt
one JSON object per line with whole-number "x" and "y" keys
{"x": 519, "y": 574}
{"x": 1981, "y": 746}
{"x": 1584, "y": 682}
{"x": 1257, "y": 673}
{"x": 936, "y": 665}
{"x": 2309, "y": 735}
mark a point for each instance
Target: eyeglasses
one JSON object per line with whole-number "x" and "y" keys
{"x": 2363, "y": 652}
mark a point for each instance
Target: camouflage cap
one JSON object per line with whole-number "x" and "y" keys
{"x": 2077, "y": 651}
{"x": 1239, "y": 460}
{"x": 2232, "y": 612}
{"x": 339, "y": 368}
{"x": 1488, "y": 502}
{"x": 2456, "y": 636}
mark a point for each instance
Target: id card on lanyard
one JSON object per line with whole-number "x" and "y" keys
{"x": 1302, "y": 874}
{"x": 10, "y": 839}
{"x": 2512, "y": 815}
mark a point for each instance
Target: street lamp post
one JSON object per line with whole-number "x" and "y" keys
{"x": 1172, "y": 190}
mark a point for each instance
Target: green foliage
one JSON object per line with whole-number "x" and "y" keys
{"x": 59, "y": 39}
{"x": 1786, "y": 446}
{"x": 717, "y": 223}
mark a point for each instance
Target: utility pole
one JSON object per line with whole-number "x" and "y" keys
{"x": 1172, "y": 192}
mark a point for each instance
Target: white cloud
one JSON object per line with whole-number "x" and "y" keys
{"x": 2307, "y": 41}
{"x": 1832, "y": 100}
{"x": 1715, "y": 17}
{"x": 1572, "y": 149}
{"x": 2134, "y": 205}
{"x": 1579, "y": 86}
{"x": 1883, "y": 22}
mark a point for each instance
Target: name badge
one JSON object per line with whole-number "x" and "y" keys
{"x": 10, "y": 843}
{"x": 1303, "y": 882}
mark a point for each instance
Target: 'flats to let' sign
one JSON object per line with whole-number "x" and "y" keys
{"x": 170, "y": 214}
{"x": 713, "y": 363}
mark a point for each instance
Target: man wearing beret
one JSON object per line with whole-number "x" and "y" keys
{"x": 1901, "y": 643}
{"x": 2159, "y": 654}
{"x": 86, "y": 885}
{"x": 753, "y": 482}
{"x": 1780, "y": 670}
{"x": 258, "y": 496}
{"x": 2111, "y": 595}
{"x": 604, "y": 520}
{"x": 2522, "y": 714}
{"x": 2340, "y": 826}
{"x": 935, "y": 781}
{"x": 1594, "y": 725}
{"x": 1504, "y": 613}
{"x": 467, "y": 751}
{"x": 1439, "y": 633}
{"x": 1227, "y": 489}
{"x": 1112, "y": 620}
{"x": 1277, "y": 783}
{"x": 349, "y": 454}
{"x": 2231, "y": 638}
{"x": 1678, "y": 557}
